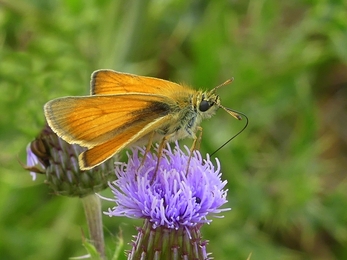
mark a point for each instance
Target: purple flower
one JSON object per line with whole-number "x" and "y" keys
{"x": 172, "y": 197}
{"x": 173, "y": 200}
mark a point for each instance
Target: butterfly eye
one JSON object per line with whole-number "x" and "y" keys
{"x": 204, "y": 106}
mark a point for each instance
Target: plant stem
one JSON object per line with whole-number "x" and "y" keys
{"x": 92, "y": 209}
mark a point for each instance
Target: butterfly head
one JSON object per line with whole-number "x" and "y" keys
{"x": 209, "y": 102}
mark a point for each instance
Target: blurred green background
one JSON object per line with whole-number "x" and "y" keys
{"x": 286, "y": 172}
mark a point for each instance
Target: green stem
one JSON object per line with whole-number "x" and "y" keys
{"x": 92, "y": 209}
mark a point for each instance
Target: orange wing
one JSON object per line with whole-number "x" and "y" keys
{"x": 89, "y": 121}
{"x": 106, "y": 82}
{"x": 100, "y": 153}
{"x": 123, "y": 108}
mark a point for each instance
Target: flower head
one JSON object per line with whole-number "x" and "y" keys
{"x": 171, "y": 197}
{"x": 174, "y": 200}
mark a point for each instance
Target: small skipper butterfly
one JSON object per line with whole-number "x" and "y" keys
{"x": 125, "y": 109}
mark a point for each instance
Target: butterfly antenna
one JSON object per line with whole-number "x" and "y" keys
{"x": 224, "y": 83}
{"x": 237, "y": 115}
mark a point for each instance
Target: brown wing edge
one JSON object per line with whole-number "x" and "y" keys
{"x": 56, "y": 128}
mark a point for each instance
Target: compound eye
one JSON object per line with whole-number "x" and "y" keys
{"x": 204, "y": 106}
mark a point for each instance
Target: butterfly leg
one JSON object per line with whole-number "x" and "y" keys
{"x": 148, "y": 148}
{"x": 160, "y": 153}
{"x": 195, "y": 146}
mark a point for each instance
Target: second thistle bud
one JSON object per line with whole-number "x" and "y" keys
{"x": 49, "y": 154}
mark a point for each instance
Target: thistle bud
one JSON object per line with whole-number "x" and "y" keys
{"x": 49, "y": 154}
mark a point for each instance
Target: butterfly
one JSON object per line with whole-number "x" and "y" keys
{"x": 123, "y": 110}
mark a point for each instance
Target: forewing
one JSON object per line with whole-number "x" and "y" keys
{"x": 90, "y": 121}
{"x": 106, "y": 82}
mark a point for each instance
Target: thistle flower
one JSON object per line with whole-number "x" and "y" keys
{"x": 174, "y": 202}
{"x": 48, "y": 154}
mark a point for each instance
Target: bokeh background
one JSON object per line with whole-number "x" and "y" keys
{"x": 286, "y": 172}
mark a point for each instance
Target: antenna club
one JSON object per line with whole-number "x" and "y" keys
{"x": 225, "y": 83}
